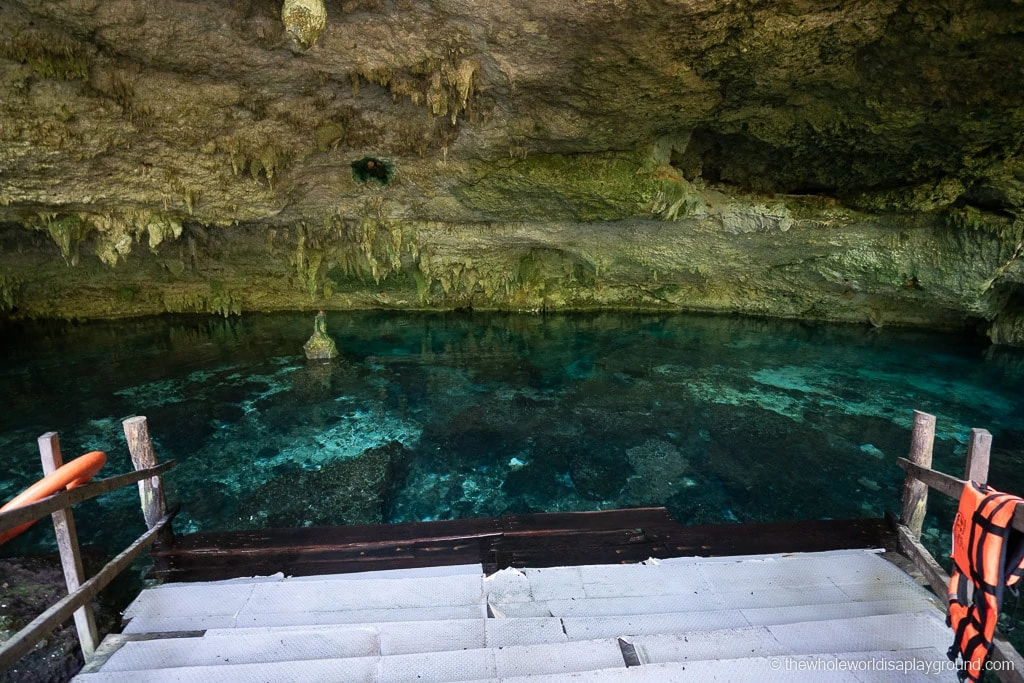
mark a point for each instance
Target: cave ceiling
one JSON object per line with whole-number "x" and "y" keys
{"x": 121, "y": 118}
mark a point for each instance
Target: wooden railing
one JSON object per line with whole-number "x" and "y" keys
{"x": 921, "y": 477}
{"x": 80, "y": 591}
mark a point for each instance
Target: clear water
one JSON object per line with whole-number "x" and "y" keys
{"x": 439, "y": 416}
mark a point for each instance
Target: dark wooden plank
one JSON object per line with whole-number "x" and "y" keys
{"x": 421, "y": 553}
{"x": 546, "y": 557}
{"x": 265, "y": 556}
{"x": 257, "y": 553}
{"x": 303, "y": 568}
{"x": 195, "y": 569}
{"x": 572, "y": 539}
{"x": 597, "y": 520}
{"x": 339, "y": 535}
{"x": 540, "y": 540}
{"x": 775, "y": 537}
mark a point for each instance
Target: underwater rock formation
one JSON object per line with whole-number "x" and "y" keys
{"x": 320, "y": 346}
{"x": 854, "y": 163}
{"x": 347, "y": 491}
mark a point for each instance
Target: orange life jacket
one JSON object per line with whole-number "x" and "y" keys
{"x": 988, "y": 554}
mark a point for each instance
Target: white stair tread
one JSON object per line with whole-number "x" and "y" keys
{"x": 150, "y": 624}
{"x": 453, "y": 665}
{"x": 752, "y": 598}
{"x": 420, "y": 644}
{"x": 351, "y": 670}
{"x": 586, "y": 628}
{"x": 787, "y": 572}
{"x": 883, "y": 632}
{"x": 582, "y": 662}
{"x": 407, "y": 637}
{"x": 266, "y": 647}
{"x": 906, "y": 666}
{"x": 307, "y": 596}
{"x": 688, "y": 617}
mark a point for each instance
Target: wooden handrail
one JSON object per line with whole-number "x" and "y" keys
{"x": 59, "y": 501}
{"x": 938, "y": 579}
{"x": 78, "y": 602}
{"x": 949, "y": 485}
{"x": 24, "y": 640}
{"x": 920, "y": 477}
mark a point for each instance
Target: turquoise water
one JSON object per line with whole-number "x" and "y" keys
{"x": 439, "y": 416}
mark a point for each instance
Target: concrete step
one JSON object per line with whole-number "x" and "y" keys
{"x": 587, "y": 628}
{"x": 751, "y": 598}
{"x": 453, "y": 665}
{"x": 922, "y": 665}
{"x": 418, "y": 636}
{"x": 248, "y": 645}
{"x": 819, "y": 571}
{"x": 159, "y": 624}
{"x": 199, "y": 606}
{"x": 448, "y": 655}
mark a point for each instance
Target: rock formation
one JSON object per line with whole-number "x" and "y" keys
{"x": 855, "y": 161}
{"x": 320, "y": 346}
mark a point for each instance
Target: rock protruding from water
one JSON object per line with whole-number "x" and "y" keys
{"x": 348, "y": 490}
{"x": 320, "y": 346}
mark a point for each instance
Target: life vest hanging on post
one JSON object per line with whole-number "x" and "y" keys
{"x": 988, "y": 554}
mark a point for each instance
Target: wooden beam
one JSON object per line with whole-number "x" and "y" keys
{"x": 938, "y": 579}
{"x": 151, "y": 490}
{"x": 941, "y": 482}
{"x": 979, "y": 450}
{"x": 67, "y": 546}
{"x": 951, "y": 486}
{"x": 936, "y": 576}
{"x": 39, "y": 509}
{"x": 915, "y": 493}
{"x": 24, "y": 640}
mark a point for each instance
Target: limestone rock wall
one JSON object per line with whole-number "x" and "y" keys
{"x": 853, "y": 161}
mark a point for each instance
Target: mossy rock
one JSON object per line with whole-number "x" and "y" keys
{"x": 591, "y": 187}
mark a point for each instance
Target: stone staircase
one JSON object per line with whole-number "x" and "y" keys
{"x": 829, "y": 616}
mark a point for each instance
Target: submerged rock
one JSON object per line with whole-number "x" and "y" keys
{"x": 348, "y": 491}
{"x": 320, "y": 346}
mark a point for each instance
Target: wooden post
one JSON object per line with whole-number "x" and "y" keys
{"x": 915, "y": 493}
{"x": 67, "y": 544}
{"x": 979, "y": 450}
{"x": 151, "y": 491}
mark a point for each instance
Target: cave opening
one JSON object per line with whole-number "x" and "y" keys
{"x": 369, "y": 169}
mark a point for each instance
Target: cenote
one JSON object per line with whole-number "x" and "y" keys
{"x": 450, "y": 415}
